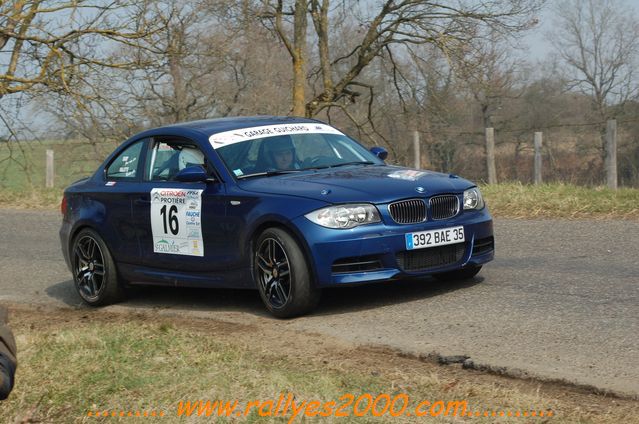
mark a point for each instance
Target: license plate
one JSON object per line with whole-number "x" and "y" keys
{"x": 432, "y": 238}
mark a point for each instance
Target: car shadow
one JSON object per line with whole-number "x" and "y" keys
{"x": 148, "y": 297}
{"x": 336, "y": 300}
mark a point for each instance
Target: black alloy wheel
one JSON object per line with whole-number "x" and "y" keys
{"x": 282, "y": 275}
{"x": 274, "y": 273}
{"x": 94, "y": 272}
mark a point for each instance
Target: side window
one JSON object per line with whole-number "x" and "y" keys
{"x": 168, "y": 158}
{"x": 126, "y": 165}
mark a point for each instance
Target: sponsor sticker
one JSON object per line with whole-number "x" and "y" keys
{"x": 176, "y": 221}
{"x": 235, "y": 136}
{"x": 408, "y": 174}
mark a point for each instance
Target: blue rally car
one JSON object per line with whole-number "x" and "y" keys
{"x": 285, "y": 205}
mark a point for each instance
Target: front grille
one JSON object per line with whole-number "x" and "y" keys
{"x": 484, "y": 245}
{"x": 356, "y": 264}
{"x": 430, "y": 257}
{"x": 408, "y": 211}
{"x": 443, "y": 207}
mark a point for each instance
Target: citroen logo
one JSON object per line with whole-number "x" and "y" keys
{"x": 420, "y": 189}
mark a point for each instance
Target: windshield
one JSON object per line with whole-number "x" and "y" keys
{"x": 293, "y": 152}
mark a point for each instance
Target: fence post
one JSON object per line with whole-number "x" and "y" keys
{"x": 611, "y": 154}
{"x": 416, "y": 152}
{"x": 537, "y": 167}
{"x": 50, "y": 170}
{"x": 490, "y": 155}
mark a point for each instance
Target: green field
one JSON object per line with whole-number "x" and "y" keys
{"x": 23, "y": 169}
{"x": 22, "y": 165}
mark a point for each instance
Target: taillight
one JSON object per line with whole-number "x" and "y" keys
{"x": 63, "y": 205}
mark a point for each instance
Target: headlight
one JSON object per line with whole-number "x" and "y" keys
{"x": 473, "y": 199}
{"x": 344, "y": 216}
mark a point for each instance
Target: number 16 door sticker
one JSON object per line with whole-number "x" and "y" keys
{"x": 176, "y": 221}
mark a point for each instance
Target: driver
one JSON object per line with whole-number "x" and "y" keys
{"x": 281, "y": 152}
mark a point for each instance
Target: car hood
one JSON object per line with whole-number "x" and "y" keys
{"x": 360, "y": 183}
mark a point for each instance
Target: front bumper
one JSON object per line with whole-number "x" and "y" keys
{"x": 377, "y": 252}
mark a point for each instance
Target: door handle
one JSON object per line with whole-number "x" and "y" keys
{"x": 141, "y": 201}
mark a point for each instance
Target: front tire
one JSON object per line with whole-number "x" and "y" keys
{"x": 459, "y": 274}
{"x": 94, "y": 271}
{"x": 282, "y": 275}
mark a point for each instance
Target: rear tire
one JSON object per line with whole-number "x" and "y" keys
{"x": 94, "y": 272}
{"x": 459, "y": 274}
{"x": 282, "y": 275}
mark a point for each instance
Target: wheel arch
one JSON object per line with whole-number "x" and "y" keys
{"x": 84, "y": 225}
{"x": 73, "y": 234}
{"x": 293, "y": 232}
{"x": 88, "y": 225}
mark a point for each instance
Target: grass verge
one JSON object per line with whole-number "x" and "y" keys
{"x": 31, "y": 198}
{"x": 76, "y": 361}
{"x": 515, "y": 200}
{"x": 507, "y": 200}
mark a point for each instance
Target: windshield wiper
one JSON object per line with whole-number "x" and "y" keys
{"x": 269, "y": 173}
{"x": 342, "y": 164}
{"x": 352, "y": 163}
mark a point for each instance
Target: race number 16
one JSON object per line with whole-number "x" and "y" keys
{"x": 173, "y": 222}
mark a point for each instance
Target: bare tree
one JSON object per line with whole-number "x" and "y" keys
{"x": 206, "y": 59}
{"x": 446, "y": 24}
{"x": 490, "y": 71}
{"x": 53, "y": 44}
{"x": 170, "y": 87}
{"x": 598, "y": 41}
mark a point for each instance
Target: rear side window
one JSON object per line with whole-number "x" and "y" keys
{"x": 126, "y": 165}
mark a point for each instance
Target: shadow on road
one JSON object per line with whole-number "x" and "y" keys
{"x": 358, "y": 298}
{"x": 334, "y": 300}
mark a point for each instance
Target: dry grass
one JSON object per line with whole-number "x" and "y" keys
{"x": 30, "y": 198}
{"x": 74, "y": 361}
{"x": 515, "y": 200}
{"x": 508, "y": 200}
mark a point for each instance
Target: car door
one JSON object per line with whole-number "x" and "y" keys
{"x": 181, "y": 225}
{"x": 111, "y": 201}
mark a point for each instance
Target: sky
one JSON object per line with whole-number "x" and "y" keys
{"x": 539, "y": 47}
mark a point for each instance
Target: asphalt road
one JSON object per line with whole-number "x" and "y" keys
{"x": 561, "y": 300}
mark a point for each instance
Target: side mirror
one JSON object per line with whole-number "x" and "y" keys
{"x": 380, "y": 152}
{"x": 192, "y": 174}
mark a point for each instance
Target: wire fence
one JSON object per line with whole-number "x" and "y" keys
{"x": 23, "y": 165}
{"x": 569, "y": 153}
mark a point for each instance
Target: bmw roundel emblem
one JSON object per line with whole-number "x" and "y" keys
{"x": 420, "y": 189}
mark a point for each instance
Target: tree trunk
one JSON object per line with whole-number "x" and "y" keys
{"x": 299, "y": 58}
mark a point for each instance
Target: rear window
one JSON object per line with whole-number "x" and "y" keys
{"x": 126, "y": 165}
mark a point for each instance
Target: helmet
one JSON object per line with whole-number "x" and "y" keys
{"x": 190, "y": 156}
{"x": 274, "y": 147}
